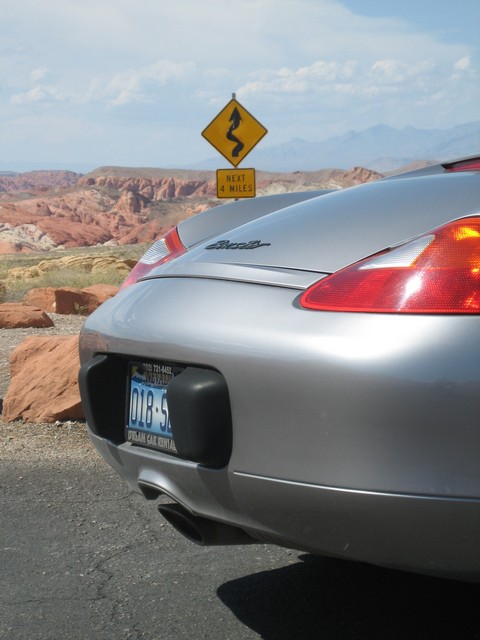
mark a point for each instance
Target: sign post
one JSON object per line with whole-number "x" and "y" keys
{"x": 234, "y": 132}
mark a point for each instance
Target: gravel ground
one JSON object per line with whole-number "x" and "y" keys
{"x": 35, "y": 439}
{"x": 30, "y": 443}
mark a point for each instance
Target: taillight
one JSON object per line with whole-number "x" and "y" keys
{"x": 472, "y": 164}
{"x": 438, "y": 272}
{"x": 163, "y": 250}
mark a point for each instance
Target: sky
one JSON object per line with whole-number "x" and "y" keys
{"x": 134, "y": 82}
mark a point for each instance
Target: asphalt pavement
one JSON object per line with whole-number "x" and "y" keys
{"x": 81, "y": 557}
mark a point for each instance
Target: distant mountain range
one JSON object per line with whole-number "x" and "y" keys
{"x": 381, "y": 148}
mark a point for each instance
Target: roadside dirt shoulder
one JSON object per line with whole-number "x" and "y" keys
{"x": 44, "y": 443}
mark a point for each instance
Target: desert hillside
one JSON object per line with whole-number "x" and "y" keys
{"x": 47, "y": 210}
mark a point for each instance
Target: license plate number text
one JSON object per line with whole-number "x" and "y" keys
{"x": 148, "y": 420}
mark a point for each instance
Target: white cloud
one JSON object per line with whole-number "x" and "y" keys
{"x": 462, "y": 64}
{"x": 140, "y": 85}
{"x": 399, "y": 71}
{"x": 39, "y": 74}
{"x": 313, "y": 78}
{"x": 36, "y": 95}
{"x": 126, "y": 87}
{"x": 350, "y": 78}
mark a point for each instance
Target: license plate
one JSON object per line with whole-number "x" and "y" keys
{"x": 148, "y": 420}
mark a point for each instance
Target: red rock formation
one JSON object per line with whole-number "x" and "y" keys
{"x": 102, "y": 292}
{"x": 14, "y": 315}
{"x": 68, "y": 300}
{"x": 38, "y": 181}
{"x": 130, "y": 205}
{"x": 154, "y": 184}
{"x": 359, "y": 175}
{"x": 44, "y": 381}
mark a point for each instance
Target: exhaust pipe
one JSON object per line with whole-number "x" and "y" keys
{"x": 203, "y": 531}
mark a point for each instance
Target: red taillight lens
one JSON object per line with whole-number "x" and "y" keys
{"x": 163, "y": 250}
{"x": 473, "y": 164}
{"x": 438, "y": 272}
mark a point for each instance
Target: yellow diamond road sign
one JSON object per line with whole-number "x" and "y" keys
{"x": 234, "y": 132}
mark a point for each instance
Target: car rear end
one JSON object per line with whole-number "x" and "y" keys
{"x": 222, "y": 380}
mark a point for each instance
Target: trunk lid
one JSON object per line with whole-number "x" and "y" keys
{"x": 322, "y": 235}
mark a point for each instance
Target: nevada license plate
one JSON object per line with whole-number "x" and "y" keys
{"x": 148, "y": 420}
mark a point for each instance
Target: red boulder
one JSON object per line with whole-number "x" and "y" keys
{"x": 15, "y": 315}
{"x": 43, "y": 380}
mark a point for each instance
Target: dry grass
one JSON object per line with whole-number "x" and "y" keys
{"x": 14, "y": 289}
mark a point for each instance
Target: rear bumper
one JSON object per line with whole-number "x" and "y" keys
{"x": 438, "y": 536}
{"x": 354, "y": 435}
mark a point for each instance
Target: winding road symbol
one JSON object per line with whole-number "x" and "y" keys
{"x": 235, "y": 119}
{"x": 234, "y": 132}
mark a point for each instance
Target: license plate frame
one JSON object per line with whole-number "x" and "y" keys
{"x": 147, "y": 420}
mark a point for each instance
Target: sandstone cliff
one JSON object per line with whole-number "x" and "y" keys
{"x": 41, "y": 211}
{"x": 32, "y": 182}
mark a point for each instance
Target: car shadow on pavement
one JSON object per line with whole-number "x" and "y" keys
{"x": 333, "y": 599}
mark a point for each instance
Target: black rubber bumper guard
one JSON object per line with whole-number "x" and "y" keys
{"x": 198, "y": 403}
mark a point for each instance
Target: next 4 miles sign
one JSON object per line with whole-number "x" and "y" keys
{"x": 235, "y": 183}
{"x": 234, "y": 132}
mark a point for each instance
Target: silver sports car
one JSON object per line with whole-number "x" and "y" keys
{"x": 304, "y": 370}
